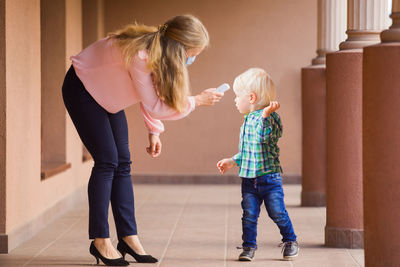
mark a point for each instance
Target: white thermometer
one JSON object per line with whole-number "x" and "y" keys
{"x": 222, "y": 88}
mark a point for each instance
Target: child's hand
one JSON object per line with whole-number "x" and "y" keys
{"x": 225, "y": 164}
{"x": 273, "y": 105}
{"x": 154, "y": 148}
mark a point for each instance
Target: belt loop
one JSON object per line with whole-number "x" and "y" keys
{"x": 255, "y": 183}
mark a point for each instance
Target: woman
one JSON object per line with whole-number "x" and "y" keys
{"x": 136, "y": 64}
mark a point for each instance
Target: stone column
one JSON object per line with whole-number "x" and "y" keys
{"x": 3, "y": 132}
{"x": 365, "y": 21}
{"x": 393, "y": 33}
{"x": 331, "y": 31}
{"x": 344, "y": 226}
{"x": 381, "y": 142}
{"x": 331, "y": 27}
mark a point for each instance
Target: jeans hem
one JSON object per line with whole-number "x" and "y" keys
{"x": 288, "y": 240}
{"x": 249, "y": 246}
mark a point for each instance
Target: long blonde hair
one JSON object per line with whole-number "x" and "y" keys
{"x": 166, "y": 47}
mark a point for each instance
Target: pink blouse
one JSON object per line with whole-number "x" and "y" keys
{"x": 102, "y": 70}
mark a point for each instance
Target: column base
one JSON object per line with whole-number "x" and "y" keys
{"x": 320, "y": 59}
{"x": 344, "y": 177}
{"x": 313, "y": 199}
{"x": 393, "y": 33}
{"x": 344, "y": 237}
{"x": 381, "y": 84}
{"x": 313, "y": 94}
{"x": 359, "y": 38}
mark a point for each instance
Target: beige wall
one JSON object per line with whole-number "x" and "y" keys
{"x": 93, "y": 22}
{"x": 3, "y": 137}
{"x": 27, "y": 196}
{"x": 279, "y": 36}
{"x": 23, "y": 101}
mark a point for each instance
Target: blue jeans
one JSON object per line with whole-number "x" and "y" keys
{"x": 105, "y": 136}
{"x": 267, "y": 188}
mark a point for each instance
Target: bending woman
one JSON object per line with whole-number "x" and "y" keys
{"x": 137, "y": 64}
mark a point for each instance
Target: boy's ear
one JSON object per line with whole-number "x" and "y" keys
{"x": 252, "y": 98}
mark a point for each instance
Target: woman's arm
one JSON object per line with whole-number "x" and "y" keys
{"x": 208, "y": 97}
{"x": 153, "y": 126}
{"x": 156, "y": 108}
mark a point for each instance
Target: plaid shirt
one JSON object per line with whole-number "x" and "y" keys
{"x": 258, "y": 148}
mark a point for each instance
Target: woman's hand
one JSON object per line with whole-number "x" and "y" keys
{"x": 225, "y": 164}
{"x": 208, "y": 97}
{"x": 154, "y": 148}
{"x": 274, "y": 105}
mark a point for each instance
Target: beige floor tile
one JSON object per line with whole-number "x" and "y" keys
{"x": 189, "y": 225}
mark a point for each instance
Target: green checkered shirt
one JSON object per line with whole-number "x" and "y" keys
{"x": 258, "y": 148}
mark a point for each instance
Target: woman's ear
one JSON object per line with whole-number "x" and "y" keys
{"x": 252, "y": 98}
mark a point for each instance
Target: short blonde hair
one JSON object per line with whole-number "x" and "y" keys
{"x": 256, "y": 80}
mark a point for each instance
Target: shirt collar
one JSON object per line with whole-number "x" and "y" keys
{"x": 255, "y": 112}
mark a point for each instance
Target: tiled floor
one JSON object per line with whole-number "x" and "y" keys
{"x": 189, "y": 225}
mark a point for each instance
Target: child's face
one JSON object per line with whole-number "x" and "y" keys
{"x": 242, "y": 102}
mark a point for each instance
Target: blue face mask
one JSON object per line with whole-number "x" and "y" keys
{"x": 190, "y": 60}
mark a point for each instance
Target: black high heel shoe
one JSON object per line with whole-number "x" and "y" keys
{"x": 109, "y": 262}
{"x": 124, "y": 248}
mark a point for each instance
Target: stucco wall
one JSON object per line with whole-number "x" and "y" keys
{"x": 23, "y": 101}
{"x": 27, "y": 195}
{"x": 279, "y": 36}
{"x": 3, "y": 136}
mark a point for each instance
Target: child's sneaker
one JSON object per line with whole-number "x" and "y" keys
{"x": 247, "y": 254}
{"x": 290, "y": 250}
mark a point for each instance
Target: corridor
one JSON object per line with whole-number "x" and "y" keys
{"x": 189, "y": 225}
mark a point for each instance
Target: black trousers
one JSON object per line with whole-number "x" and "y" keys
{"x": 105, "y": 136}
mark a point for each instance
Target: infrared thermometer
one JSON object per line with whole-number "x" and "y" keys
{"x": 222, "y": 88}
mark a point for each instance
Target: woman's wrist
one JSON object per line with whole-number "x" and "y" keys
{"x": 197, "y": 100}
{"x": 207, "y": 98}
